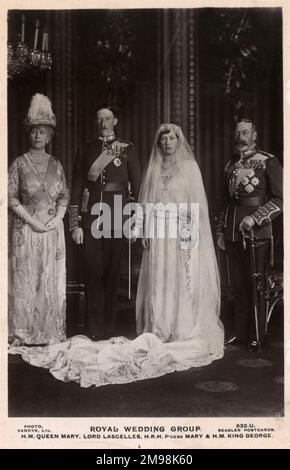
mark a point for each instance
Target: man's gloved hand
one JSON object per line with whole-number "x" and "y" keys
{"x": 247, "y": 223}
{"x": 78, "y": 235}
{"x": 221, "y": 241}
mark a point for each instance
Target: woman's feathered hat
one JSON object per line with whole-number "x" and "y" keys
{"x": 40, "y": 112}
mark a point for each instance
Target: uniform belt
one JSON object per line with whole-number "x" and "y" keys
{"x": 111, "y": 186}
{"x": 248, "y": 201}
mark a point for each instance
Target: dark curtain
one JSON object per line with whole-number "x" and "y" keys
{"x": 263, "y": 92}
{"x": 136, "y": 98}
{"x": 173, "y": 74}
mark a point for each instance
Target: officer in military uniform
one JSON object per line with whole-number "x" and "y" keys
{"x": 254, "y": 192}
{"x": 103, "y": 169}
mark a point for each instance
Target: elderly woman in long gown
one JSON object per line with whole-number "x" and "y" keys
{"x": 37, "y": 201}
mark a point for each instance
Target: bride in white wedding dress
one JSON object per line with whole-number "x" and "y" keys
{"x": 178, "y": 297}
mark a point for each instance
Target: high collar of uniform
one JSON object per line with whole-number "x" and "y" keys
{"x": 108, "y": 140}
{"x": 250, "y": 152}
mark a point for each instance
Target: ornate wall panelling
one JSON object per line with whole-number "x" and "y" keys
{"x": 177, "y": 71}
{"x": 63, "y": 88}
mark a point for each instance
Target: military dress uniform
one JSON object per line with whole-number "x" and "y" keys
{"x": 103, "y": 169}
{"x": 253, "y": 187}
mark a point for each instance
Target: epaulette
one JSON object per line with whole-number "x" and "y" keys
{"x": 125, "y": 142}
{"x": 267, "y": 154}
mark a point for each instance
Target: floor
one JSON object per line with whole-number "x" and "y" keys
{"x": 240, "y": 384}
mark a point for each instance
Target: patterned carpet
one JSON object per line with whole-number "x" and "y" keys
{"x": 240, "y": 384}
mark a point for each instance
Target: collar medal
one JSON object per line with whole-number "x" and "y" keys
{"x": 117, "y": 161}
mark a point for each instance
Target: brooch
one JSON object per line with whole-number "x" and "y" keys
{"x": 117, "y": 162}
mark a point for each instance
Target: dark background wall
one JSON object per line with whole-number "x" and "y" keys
{"x": 136, "y": 99}
{"x": 262, "y": 94}
{"x": 175, "y": 72}
{"x": 74, "y": 83}
{"x": 75, "y": 87}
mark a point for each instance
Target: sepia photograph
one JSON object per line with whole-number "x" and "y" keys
{"x": 144, "y": 251}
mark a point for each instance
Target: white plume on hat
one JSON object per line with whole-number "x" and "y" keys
{"x": 40, "y": 112}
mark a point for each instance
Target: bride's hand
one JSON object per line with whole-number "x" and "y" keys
{"x": 145, "y": 243}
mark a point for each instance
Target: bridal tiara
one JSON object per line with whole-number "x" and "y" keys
{"x": 169, "y": 127}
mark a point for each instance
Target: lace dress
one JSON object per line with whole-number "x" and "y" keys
{"x": 178, "y": 295}
{"x": 37, "y": 276}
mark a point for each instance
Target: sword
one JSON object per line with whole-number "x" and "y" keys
{"x": 228, "y": 270}
{"x": 218, "y": 259}
{"x": 129, "y": 260}
{"x": 255, "y": 275}
{"x": 129, "y": 251}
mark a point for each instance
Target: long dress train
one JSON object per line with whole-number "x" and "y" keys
{"x": 185, "y": 331}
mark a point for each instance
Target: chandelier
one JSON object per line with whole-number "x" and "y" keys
{"x": 23, "y": 58}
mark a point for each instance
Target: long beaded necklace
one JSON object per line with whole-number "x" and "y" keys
{"x": 43, "y": 180}
{"x": 167, "y": 174}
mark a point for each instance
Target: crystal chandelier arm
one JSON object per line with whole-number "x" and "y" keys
{"x": 23, "y": 59}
